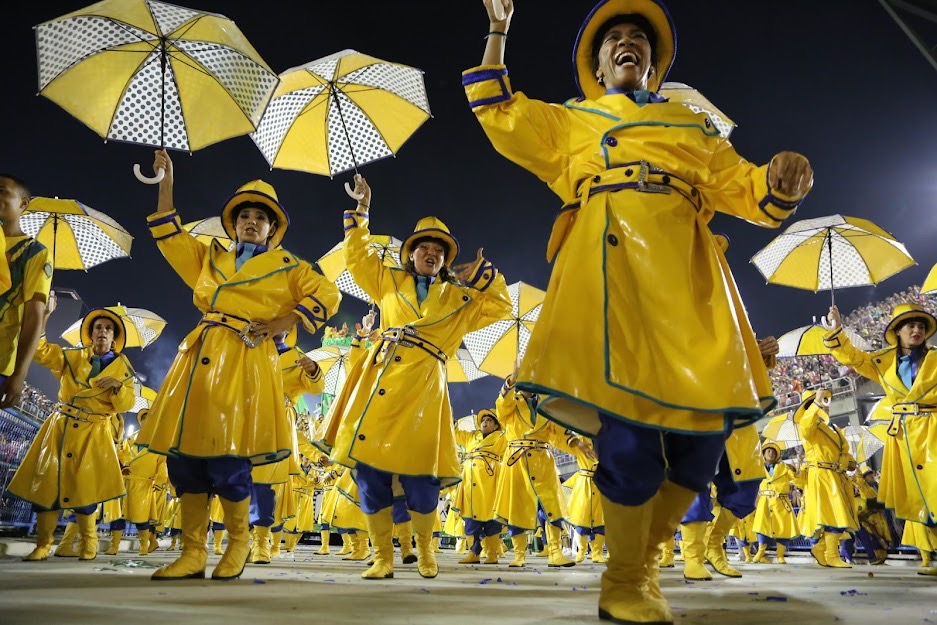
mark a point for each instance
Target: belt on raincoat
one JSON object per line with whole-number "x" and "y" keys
{"x": 908, "y": 409}
{"x": 587, "y": 472}
{"x": 520, "y": 445}
{"x": 832, "y": 466}
{"x": 768, "y": 493}
{"x": 80, "y": 414}
{"x": 241, "y": 327}
{"x": 490, "y": 459}
{"x": 408, "y": 337}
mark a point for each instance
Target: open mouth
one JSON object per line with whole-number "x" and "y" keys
{"x": 626, "y": 58}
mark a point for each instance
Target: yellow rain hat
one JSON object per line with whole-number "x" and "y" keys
{"x": 771, "y": 445}
{"x": 904, "y": 312}
{"x": 259, "y": 192}
{"x": 120, "y": 331}
{"x": 434, "y": 228}
{"x": 485, "y": 412}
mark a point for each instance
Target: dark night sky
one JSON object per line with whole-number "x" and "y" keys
{"x": 836, "y": 80}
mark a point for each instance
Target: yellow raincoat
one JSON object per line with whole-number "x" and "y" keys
{"x": 774, "y": 514}
{"x": 346, "y": 513}
{"x": 909, "y": 471}
{"x": 72, "y": 462}
{"x": 584, "y": 505}
{"x": 147, "y": 474}
{"x": 475, "y": 495}
{"x": 393, "y": 412}
{"x": 528, "y": 474}
{"x": 303, "y": 491}
{"x": 634, "y": 259}
{"x": 828, "y": 493}
{"x": 873, "y": 519}
{"x": 221, "y": 397}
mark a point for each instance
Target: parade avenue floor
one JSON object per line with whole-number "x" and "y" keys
{"x": 305, "y": 588}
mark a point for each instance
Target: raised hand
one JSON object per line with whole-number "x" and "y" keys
{"x": 464, "y": 271}
{"x": 791, "y": 174}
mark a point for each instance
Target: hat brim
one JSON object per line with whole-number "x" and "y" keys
{"x": 120, "y": 341}
{"x": 433, "y": 233}
{"x": 891, "y": 337}
{"x": 654, "y": 12}
{"x": 771, "y": 445}
{"x": 485, "y": 413}
{"x": 228, "y": 218}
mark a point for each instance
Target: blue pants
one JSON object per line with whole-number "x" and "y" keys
{"x": 262, "y": 506}
{"x": 591, "y": 532}
{"x": 229, "y": 478}
{"x": 400, "y": 513}
{"x": 481, "y": 530}
{"x": 869, "y": 544}
{"x": 634, "y": 460}
{"x": 767, "y": 540}
{"x": 375, "y": 490}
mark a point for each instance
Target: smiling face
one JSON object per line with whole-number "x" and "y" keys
{"x": 428, "y": 257}
{"x": 624, "y": 57}
{"x": 771, "y": 455}
{"x": 253, "y": 225}
{"x": 102, "y": 335}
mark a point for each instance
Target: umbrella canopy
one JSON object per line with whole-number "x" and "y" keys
{"x": 143, "y": 397}
{"x": 781, "y": 429}
{"x": 832, "y": 252}
{"x": 332, "y": 263}
{"x": 78, "y": 236}
{"x": 143, "y": 326}
{"x": 808, "y": 341}
{"x": 153, "y": 73}
{"x": 698, "y": 103}
{"x": 339, "y": 112}
{"x": 862, "y": 443}
{"x": 462, "y": 368}
{"x": 333, "y": 359}
{"x": 205, "y": 230}
{"x": 499, "y": 347}
{"x": 930, "y": 283}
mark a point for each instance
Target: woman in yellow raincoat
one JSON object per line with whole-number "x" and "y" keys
{"x": 392, "y": 420}
{"x": 907, "y": 370}
{"x": 528, "y": 478}
{"x": 72, "y": 462}
{"x": 303, "y": 491}
{"x": 585, "y": 506}
{"x": 613, "y": 354}
{"x": 474, "y": 497}
{"x": 220, "y": 408}
{"x": 774, "y": 514}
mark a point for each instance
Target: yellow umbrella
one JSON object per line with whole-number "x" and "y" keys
{"x": 863, "y": 444}
{"x": 930, "y": 283}
{"x": 462, "y": 368}
{"x": 205, "y": 230}
{"x": 695, "y": 101}
{"x": 781, "y": 429}
{"x": 832, "y": 252}
{"x": 332, "y": 263}
{"x": 499, "y": 347}
{"x": 333, "y": 359}
{"x": 143, "y": 326}
{"x": 79, "y": 236}
{"x": 153, "y": 73}
{"x": 339, "y": 112}
{"x": 808, "y": 341}
{"x": 144, "y": 397}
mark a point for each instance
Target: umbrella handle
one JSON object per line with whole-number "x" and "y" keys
{"x": 498, "y": 9}
{"x": 352, "y": 193}
{"x": 142, "y": 178}
{"x": 826, "y": 325}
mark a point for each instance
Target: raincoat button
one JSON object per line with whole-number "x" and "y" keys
{"x": 465, "y": 298}
{"x": 612, "y": 141}
{"x": 629, "y": 171}
{"x": 75, "y": 425}
{"x": 396, "y": 358}
{"x": 529, "y": 454}
{"x": 315, "y": 309}
{"x": 224, "y": 320}
{"x": 738, "y": 472}
{"x": 708, "y": 123}
{"x": 205, "y": 360}
{"x": 533, "y": 479}
{"x": 612, "y": 239}
{"x": 694, "y": 192}
{"x": 381, "y": 392}
{"x": 286, "y": 259}
{"x": 596, "y": 178}
{"x": 920, "y": 467}
{"x": 68, "y": 455}
{"x": 549, "y": 514}
{"x": 66, "y": 500}
{"x": 666, "y": 179}
{"x": 361, "y": 437}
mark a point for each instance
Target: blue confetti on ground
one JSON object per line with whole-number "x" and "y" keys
{"x": 852, "y": 592}
{"x": 259, "y": 581}
{"x": 772, "y": 598}
{"x": 485, "y": 581}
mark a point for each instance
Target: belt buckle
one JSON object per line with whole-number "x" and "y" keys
{"x": 244, "y": 335}
{"x": 649, "y": 187}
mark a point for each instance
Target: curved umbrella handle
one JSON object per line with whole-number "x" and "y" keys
{"x": 498, "y": 9}
{"x": 154, "y": 180}
{"x": 352, "y": 193}
{"x": 825, "y": 324}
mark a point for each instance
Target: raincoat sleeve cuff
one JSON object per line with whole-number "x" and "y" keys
{"x": 315, "y": 377}
{"x": 312, "y": 312}
{"x": 776, "y": 205}
{"x": 164, "y": 225}
{"x": 486, "y": 85}
{"x": 834, "y": 338}
{"x": 483, "y": 275}
{"x": 355, "y": 219}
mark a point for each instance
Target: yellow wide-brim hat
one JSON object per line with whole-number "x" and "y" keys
{"x": 120, "y": 331}
{"x": 772, "y": 445}
{"x": 485, "y": 413}
{"x": 665, "y": 49}
{"x": 909, "y": 311}
{"x": 432, "y": 227}
{"x": 259, "y": 192}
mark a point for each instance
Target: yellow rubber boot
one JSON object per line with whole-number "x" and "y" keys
{"x": 818, "y": 551}
{"x": 469, "y": 542}
{"x": 597, "y": 546}
{"x": 275, "y": 539}
{"x": 436, "y": 547}
{"x": 45, "y": 534}
{"x": 667, "y": 554}
{"x": 191, "y": 564}
{"x": 519, "y": 542}
{"x": 425, "y": 552}
{"x": 760, "y": 556}
{"x": 66, "y": 548}
{"x": 669, "y": 505}
{"x": 294, "y": 541}
{"x": 144, "y": 538}
{"x": 583, "y": 546}
{"x": 154, "y": 541}
{"x": 459, "y": 545}
{"x": 694, "y": 550}
{"x": 346, "y": 545}
{"x": 381, "y": 530}
{"x": 323, "y": 549}
{"x": 114, "y": 547}
{"x": 746, "y": 553}
{"x": 471, "y": 558}
{"x": 493, "y": 542}
{"x": 238, "y": 550}
{"x": 260, "y": 550}
{"x": 543, "y": 552}
{"x": 624, "y": 597}
{"x": 556, "y": 557}
{"x": 88, "y": 535}
{"x": 831, "y": 542}
{"x": 679, "y": 556}
{"x": 781, "y": 549}
{"x": 715, "y": 551}
{"x": 405, "y": 536}
{"x": 926, "y": 568}
{"x": 359, "y": 547}
{"x": 217, "y": 538}
{"x": 173, "y": 540}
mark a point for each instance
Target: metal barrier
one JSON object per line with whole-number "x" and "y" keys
{"x": 17, "y": 432}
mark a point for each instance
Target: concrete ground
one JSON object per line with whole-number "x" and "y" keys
{"x": 304, "y": 588}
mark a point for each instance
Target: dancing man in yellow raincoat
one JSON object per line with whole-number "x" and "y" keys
{"x": 393, "y": 420}
{"x": 220, "y": 409}
{"x": 907, "y": 371}
{"x": 72, "y": 462}
{"x": 615, "y": 355}
{"x": 774, "y": 514}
